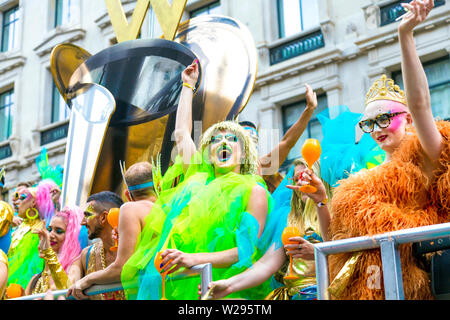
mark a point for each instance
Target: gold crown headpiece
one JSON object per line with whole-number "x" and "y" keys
{"x": 385, "y": 89}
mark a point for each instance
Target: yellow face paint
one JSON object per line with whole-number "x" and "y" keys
{"x": 89, "y": 211}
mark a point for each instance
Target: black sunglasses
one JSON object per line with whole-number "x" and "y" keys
{"x": 382, "y": 120}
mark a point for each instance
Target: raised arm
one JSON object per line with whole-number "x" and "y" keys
{"x": 183, "y": 126}
{"x": 415, "y": 80}
{"x": 272, "y": 161}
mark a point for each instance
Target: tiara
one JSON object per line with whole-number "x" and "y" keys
{"x": 385, "y": 89}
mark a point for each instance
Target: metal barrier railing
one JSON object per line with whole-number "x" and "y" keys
{"x": 205, "y": 271}
{"x": 388, "y": 243}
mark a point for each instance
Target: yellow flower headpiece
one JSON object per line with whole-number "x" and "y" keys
{"x": 385, "y": 89}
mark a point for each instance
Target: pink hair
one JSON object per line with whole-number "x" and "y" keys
{"x": 44, "y": 202}
{"x": 71, "y": 249}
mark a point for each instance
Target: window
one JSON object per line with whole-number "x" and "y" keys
{"x": 390, "y": 12}
{"x": 60, "y": 110}
{"x": 212, "y": 8}
{"x": 6, "y": 104}
{"x": 10, "y": 29}
{"x": 438, "y": 75}
{"x": 295, "y": 16}
{"x": 291, "y": 113}
{"x": 63, "y": 12}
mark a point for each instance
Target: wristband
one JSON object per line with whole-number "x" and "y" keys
{"x": 322, "y": 203}
{"x": 185, "y": 84}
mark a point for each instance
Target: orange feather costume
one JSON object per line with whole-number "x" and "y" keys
{"x": 393, "y": 196}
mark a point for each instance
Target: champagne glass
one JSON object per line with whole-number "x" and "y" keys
{"x": 311, "y": 153}
{"x": 290, "y": 232}
{"x": 113, "y": 220}
{"x": 158, "y": 265}
{"x": 14, "y": 290}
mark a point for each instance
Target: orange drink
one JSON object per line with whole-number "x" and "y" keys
{"x": 158, "y": 265}
{"x": 311, "y": 151}
{"x": 113, "y": 220}
{"x": 290, "y": 232}
{"x": 14, "y": 291}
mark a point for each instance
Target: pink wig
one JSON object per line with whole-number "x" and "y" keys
{"x": 70, "y": 249}
{"x": 44, "y": 202}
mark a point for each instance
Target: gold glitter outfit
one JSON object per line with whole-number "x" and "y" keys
{"x": 53, "y": 270}
{"x": 4, "y": 260}
{"x": 6, "y": 218}
{"x": 92, "y": 266}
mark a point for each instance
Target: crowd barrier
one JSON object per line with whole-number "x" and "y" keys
{"x": 388, "y": 243}
{"x": 204, "y": 270}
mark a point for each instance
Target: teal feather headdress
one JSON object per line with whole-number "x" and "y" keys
{"x": 46, "y": 171}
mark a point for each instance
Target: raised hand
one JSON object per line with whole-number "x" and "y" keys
{"x": 190, "y": 74}
{"x": 417, "y": 13}
{"x": 44, "y": 240}
{"x": 311, "y": 97}
{"x": 55, "y": 195}
{"x": 308, "y": 177}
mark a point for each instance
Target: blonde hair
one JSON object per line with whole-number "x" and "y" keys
{"x": 249, "y": 164}
{"x": 303, "y": 214}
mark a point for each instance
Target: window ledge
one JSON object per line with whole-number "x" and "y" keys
{"x": 104, "y": 21}
{"x": 59, "y": 35}
{"x": 297, "y": 65}
{"x": 51, "y": 126}
{"x": 285, "y": 40}
{"x": 50, "y": 134}
{"x": 11, "y": 60}
{"x": 387, "y": 34}
{"x": 12, "y": 143}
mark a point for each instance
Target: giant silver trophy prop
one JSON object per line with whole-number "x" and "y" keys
{"x": 92, "y": 108}
{"x": 144, "y": 78}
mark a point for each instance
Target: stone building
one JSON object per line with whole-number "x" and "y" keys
{"x": 339, "y": 47}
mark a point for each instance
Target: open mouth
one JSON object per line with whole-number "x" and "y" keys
{"x": 381, "y": 138}
{"x": 224, "y": 153}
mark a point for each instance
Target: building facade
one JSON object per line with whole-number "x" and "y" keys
{"x": 339, "y": 47}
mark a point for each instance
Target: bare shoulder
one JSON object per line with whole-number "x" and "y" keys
{"x": 258, "y": 194}
{"x": 136, "y": 209}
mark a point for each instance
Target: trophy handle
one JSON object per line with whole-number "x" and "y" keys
{"x": 92, "y": 108}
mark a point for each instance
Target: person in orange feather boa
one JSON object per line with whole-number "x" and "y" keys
{"x": 410, "y": 189}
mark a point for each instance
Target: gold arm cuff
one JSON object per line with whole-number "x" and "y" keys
{"x": 281, "y": 293}
{"x": 342, "y": 279}
{"x": 59, "y": 276}
{"x": 6, "y": 218}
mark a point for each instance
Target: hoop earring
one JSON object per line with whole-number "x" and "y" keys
{"x": 35, "y": 216}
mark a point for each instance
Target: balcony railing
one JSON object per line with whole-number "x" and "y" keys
{"x": 54, "y": 134}
{"x": 390, "y": 256}
{"x": 297, "y": 47}
{"x": 389, "y": 13}
{"x": 5, "y": 152}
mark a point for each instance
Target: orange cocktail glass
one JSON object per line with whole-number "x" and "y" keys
{"x": 311, "y": 151}
{"x": 158, "y": 265}
{"x": 290, "y": 232}
{"x": 113, "y": 220}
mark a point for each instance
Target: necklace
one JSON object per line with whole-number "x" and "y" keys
{"x": 118, "y": 295}
{"x": 43, "y": 284}
{"x": 102, "y": 256}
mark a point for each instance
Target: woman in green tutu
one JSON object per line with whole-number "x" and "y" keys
{"x": 217, "y": 213}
